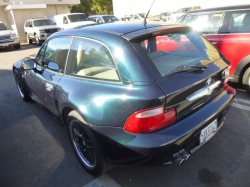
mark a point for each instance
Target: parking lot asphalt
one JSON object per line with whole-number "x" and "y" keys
{"x": 35, "y": 149}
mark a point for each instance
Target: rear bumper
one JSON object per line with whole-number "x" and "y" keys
{"x": 157, "y": 148}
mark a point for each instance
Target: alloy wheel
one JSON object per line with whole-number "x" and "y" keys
{"x": 83, "y": 145}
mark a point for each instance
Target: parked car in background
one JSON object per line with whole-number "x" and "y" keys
{"x": 103, "y": 18}
{"x": 72, "y": 20}
{"x": 130, "y": 94}
{"x": 176, "y": 16}
{"x": 141, "y": 17}
{"x": 39, "y": 29}
{"x": 126, "y": 18}
{"x": 165, "y": 15}
{"x": 8, "y": 37}
{"x": 228, "y": 28}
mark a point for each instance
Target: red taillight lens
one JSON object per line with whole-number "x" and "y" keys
{"x": 150, "y": 120}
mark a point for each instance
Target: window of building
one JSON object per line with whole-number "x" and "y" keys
{"x": 91, "y": 59}
{"x": 57, "y": 51}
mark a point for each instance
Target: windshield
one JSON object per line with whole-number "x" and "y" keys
{"x": 172, "y": 51}
{"x": 108, "y": 19}
{"x": 184, "y": 10}
{"x": 3, "y": 27}
{"x": 43, "y": 22}
{"x": 77, "y": 17}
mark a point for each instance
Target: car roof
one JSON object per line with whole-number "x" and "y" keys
{"x": 129, "y": 30}
{"x": 235, "y": 7}
{"x": 34, "y": 19}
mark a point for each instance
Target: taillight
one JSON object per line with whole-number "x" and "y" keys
{"x": 225, "y": 74}
{"x": 150, "y": 120}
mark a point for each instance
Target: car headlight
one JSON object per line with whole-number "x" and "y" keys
{"x": 13, "y": 36}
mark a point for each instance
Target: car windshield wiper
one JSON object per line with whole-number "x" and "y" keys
{"x": 186, "y": 68}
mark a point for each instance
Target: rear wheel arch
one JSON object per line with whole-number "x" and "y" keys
{"x": 240, "y": 69}
{"x": 65, "y": 114}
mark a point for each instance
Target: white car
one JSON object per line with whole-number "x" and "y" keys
{"x": 103, "y": 18}
{"x": 174, "y": 18}
{"x": 141, "y": 17}
{"x": 8, "y": 37}
{"x": 70, "y": 21}
{"x": 39, "y": 30}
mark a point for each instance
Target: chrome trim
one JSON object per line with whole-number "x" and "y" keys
{"x": 206, "y": 91}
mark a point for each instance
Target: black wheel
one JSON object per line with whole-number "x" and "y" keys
{"x": 28, "y": 39}
{"x": 246, "y": 80}
{"x": 18, "y": 46}
{"x": 38, "y": 41}
{"x": 86, "y": 146}
{"x": 20, "y": 87}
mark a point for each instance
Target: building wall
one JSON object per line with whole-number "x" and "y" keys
{"x": 123, "y": 7}
{"x": 48, "y": 2}
{"x": 3, "y": 16}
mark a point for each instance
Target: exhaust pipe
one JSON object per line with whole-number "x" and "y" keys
{"x": 184, "y": 154}
{"x": 178, "y": 160}
{"x": 181, "y": 156}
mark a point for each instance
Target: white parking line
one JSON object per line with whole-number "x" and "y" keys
{"x": 103, "y": 181}
{"x": 237, "y": 105}
{"x": 242, "y": 100}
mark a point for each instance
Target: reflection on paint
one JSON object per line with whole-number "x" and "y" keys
{"x": 99, "y": 101}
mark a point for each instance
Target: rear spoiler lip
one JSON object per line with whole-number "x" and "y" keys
{"x": 154, "y": 31}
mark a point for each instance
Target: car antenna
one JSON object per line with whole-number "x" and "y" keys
{"x": 145, "y": 19}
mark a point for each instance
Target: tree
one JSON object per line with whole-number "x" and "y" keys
{"x": 94, "y": 7}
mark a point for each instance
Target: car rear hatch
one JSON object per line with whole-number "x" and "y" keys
{"x": 189, "y": 91}
{"x": 187, "y": 68}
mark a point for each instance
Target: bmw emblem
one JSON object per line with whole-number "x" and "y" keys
{"x": 209, "y": 81}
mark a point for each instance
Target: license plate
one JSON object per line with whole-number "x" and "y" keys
{"x": 209, "y": 131}
{"x": 5, "y": 45}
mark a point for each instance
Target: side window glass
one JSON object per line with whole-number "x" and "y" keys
{"x": 213, "y": 24}
{"x": 57, "y": 51}
{"x": 39, "y": 57}
{"x": 91, "y": 59}
{"x": 239, "y": 22}
{"x": 99, "y": 19}
{"x": 204, "y": 23}
{"x": 65, "y": 20}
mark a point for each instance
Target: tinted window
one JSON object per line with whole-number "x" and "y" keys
{"x": 91, "y": 59}
{"x": 136, "y": 17}
{"x": 77, "y": 17}
{"x": 44, "y": 22}
{"x": 204, "y": 23}
{"x": 239, "y": 22}
{"x": 108, "y": 19}
{"x": 57, "y": 51}
{"x": 99, "y": 19}
{"x": 3, "y": 27}
{"x": 39, "y": 57}
{"x": 173, "y": 51}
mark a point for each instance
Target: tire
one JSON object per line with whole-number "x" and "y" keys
{"x": 246, "y": 80}
{"x": 20, "y": 87}
{"x": 38, "y": 41}
{"x": 18, "y": 46}
{"x": 86, "y": 146}
{"x": 28, "y": 39}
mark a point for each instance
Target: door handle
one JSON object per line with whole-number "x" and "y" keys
{"x": 48, "y": 87}
{"x": 214, "y": 43}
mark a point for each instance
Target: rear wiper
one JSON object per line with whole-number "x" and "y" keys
{"x": 186, "y": 68}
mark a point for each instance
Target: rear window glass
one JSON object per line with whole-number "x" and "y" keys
{"x": 172, "y": 51}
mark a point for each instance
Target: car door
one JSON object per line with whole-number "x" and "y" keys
{"x": 42, "y": 81}
{"x": 208, "y": 24}
{"x": 235, "y": 36}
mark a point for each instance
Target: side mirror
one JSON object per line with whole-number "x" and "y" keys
{"x": 53, "y": 66}
{"x": 29, "y": 64}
